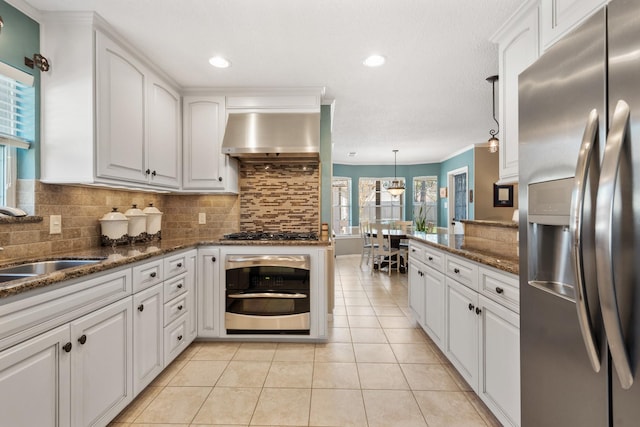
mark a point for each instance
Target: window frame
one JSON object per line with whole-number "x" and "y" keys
{"x": 390, "y": 202}
{"x": 338, "y": 225}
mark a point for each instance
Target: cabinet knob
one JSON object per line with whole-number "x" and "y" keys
{"x": 220, "y": 178}
{"x": 471, "y": 307}
{"x": 153, "y": 173}
{"x": 180, "y": 307}
{"x": 141, "y": 307}
{"x": 180, "y": 286}
{"x": 147, "y": 172}
{"x": 456, "y": 270}
{"x": 179, "y": 265}
{"x": 478, "y": 311}
{"x": 430, "y": 258}
{"x": 82, "y": 339}
{"x": 67, "y": 347}
{"x": 179, "y": 337}
{"x": 213, "y": 259}
{"x": 499, "y": 290}
{"x": 153, "y": 274}
{"x": 413, "y": 250}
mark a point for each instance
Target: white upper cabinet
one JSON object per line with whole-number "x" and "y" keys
{"x": 108, "y": 120}
{"x": 518, "y": 48}
{"x": 557, "y": 17}
{"x": 205, "y": 167}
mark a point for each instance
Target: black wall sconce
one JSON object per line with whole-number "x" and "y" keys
{"x": 37, "y": 61}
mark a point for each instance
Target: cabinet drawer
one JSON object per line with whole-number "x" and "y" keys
{"x": 501, "y": 288}
{"x": 174, "y": 287}
{"x": 146, "y": 275}
{"x": 175, "y": 308}
{"x": 175, "y": 339}
{"x": 463, "y": 271}
{"x": 427, "y": 255}
{"x": 175, "y": 265}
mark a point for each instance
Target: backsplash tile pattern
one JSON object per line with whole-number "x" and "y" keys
{"x": 279, "y": 197}
{"x": 82, "y": 207}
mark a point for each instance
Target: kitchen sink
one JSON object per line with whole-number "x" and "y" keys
{"x": 42, "y": 267}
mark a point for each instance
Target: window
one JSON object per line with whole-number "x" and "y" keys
{"x": 425, "y": 200}
{"x": 376, "y": 203}
{"x": 341, "y": 204}
{"x": 17, "y": 125}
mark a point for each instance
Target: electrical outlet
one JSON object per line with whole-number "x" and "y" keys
{"x": 202, "y": 218}
{"x": 55, "y": 224}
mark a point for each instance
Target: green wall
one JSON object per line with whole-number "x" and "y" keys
{"x": 20, "y": 38}
{"x": 408, "y": 172}
{"x": 325, "y": 161}
{"x": 461, "y": 160}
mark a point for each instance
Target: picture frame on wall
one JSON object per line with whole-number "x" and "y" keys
{"x": 502, "y": 196}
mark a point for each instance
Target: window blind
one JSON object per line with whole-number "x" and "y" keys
{"x": 17, "y": 112}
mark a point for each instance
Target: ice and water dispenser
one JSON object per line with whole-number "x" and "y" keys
{"x": 551, "y": 265}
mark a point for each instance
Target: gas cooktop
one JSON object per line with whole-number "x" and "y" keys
{"x": 263, "y": 235}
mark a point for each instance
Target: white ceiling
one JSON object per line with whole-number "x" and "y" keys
{"x": 430, "y": 100}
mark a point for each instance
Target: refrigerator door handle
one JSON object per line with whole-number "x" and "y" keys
{"x": 604, "y": 254}
{"x": 587, "y": 148}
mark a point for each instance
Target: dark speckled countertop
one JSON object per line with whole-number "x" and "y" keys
{"x": 492, "y": 253}
{"x": 120, "y": 256}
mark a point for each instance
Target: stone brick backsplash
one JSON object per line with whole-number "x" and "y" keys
{"x": 82, "y": 207}
{"x": 279, "y": 197}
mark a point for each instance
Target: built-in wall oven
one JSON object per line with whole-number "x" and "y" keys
{"x": 267, "y": 294}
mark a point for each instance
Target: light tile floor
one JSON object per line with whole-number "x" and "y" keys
{"x": 377, "y": 369}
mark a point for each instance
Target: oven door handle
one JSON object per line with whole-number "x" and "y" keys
{"x": 278, "y": 295}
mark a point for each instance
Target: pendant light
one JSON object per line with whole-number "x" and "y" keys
{"x": 396, "y": 188}
{"x": 493, "y": 141}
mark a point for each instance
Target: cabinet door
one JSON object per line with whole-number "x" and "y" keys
{"x": 190, "y": 282}
{"x": 417, "y": 291}
{"x": 500, "y": 361}
{"x": 435, "y": 305}
{"x": 209, "y": 316}
{"x": 101, "y": 376}
{"x": 558, "y": 17}
{"x": 148, "y": 332}
{"x": 205, "y": 167}
{"x": 163, "y": 129}
{"x": 462, "y": 331}
{"x": 120, "y": 98}
{"x": 34, "y": 378}
{"x": 518, "y": 49}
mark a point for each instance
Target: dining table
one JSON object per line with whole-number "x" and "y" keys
{"x": 395, "y": 236}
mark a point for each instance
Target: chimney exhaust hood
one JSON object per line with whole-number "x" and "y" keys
{"x": 271, "y": 136}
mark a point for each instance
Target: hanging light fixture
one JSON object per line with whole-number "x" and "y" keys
{"x": 493, "y": 141}
{"x": 396, "y": 187}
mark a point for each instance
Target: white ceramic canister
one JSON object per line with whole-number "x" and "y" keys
{"x": 137, "y": 223}
{"x": 154, "y": 220}
{"x": 114, "y": 225}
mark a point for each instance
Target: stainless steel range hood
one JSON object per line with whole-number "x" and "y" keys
{"x": 272, "y": 136}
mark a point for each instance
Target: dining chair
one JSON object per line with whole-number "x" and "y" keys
{"x": 405, "y": 227}
{"x": 383, "y": 250}
{"x": 367, "y": 243}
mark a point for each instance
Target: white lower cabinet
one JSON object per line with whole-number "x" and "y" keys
{"x": 462, "y": 330}
{"x": 148, "y": 333}
{"x": 208, "y": 300}
{"x": 35, "y": 377}
{"x": 499, "y": 376}
{"x": 78, "y": 374}
{"x": 101, "y": 364}
{"x": 470, "y": 311}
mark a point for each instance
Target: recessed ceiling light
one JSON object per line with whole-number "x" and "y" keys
{"x": 219, "y": 62}
{"x": 351, "y": 154}
{"x": 374, "y": 61}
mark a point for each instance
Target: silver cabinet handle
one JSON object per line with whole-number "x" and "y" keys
{"x": 604, "y": 240}
{"x": 267, "y": 295}
{"x": 588, "y": 147}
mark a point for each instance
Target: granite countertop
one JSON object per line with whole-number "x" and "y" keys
{"x": 118, "y": 256}
{"x": 492, "y": 253}
{"x": 491, "y": 223}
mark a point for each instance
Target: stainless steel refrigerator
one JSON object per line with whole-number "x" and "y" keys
{"x": 579, "y": 156}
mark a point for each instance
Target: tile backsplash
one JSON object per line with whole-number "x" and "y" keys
{"x": 82, "y": 207}
{"x": 279, "y": 196}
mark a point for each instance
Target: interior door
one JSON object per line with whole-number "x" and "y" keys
{"x": 458, "y": 196}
